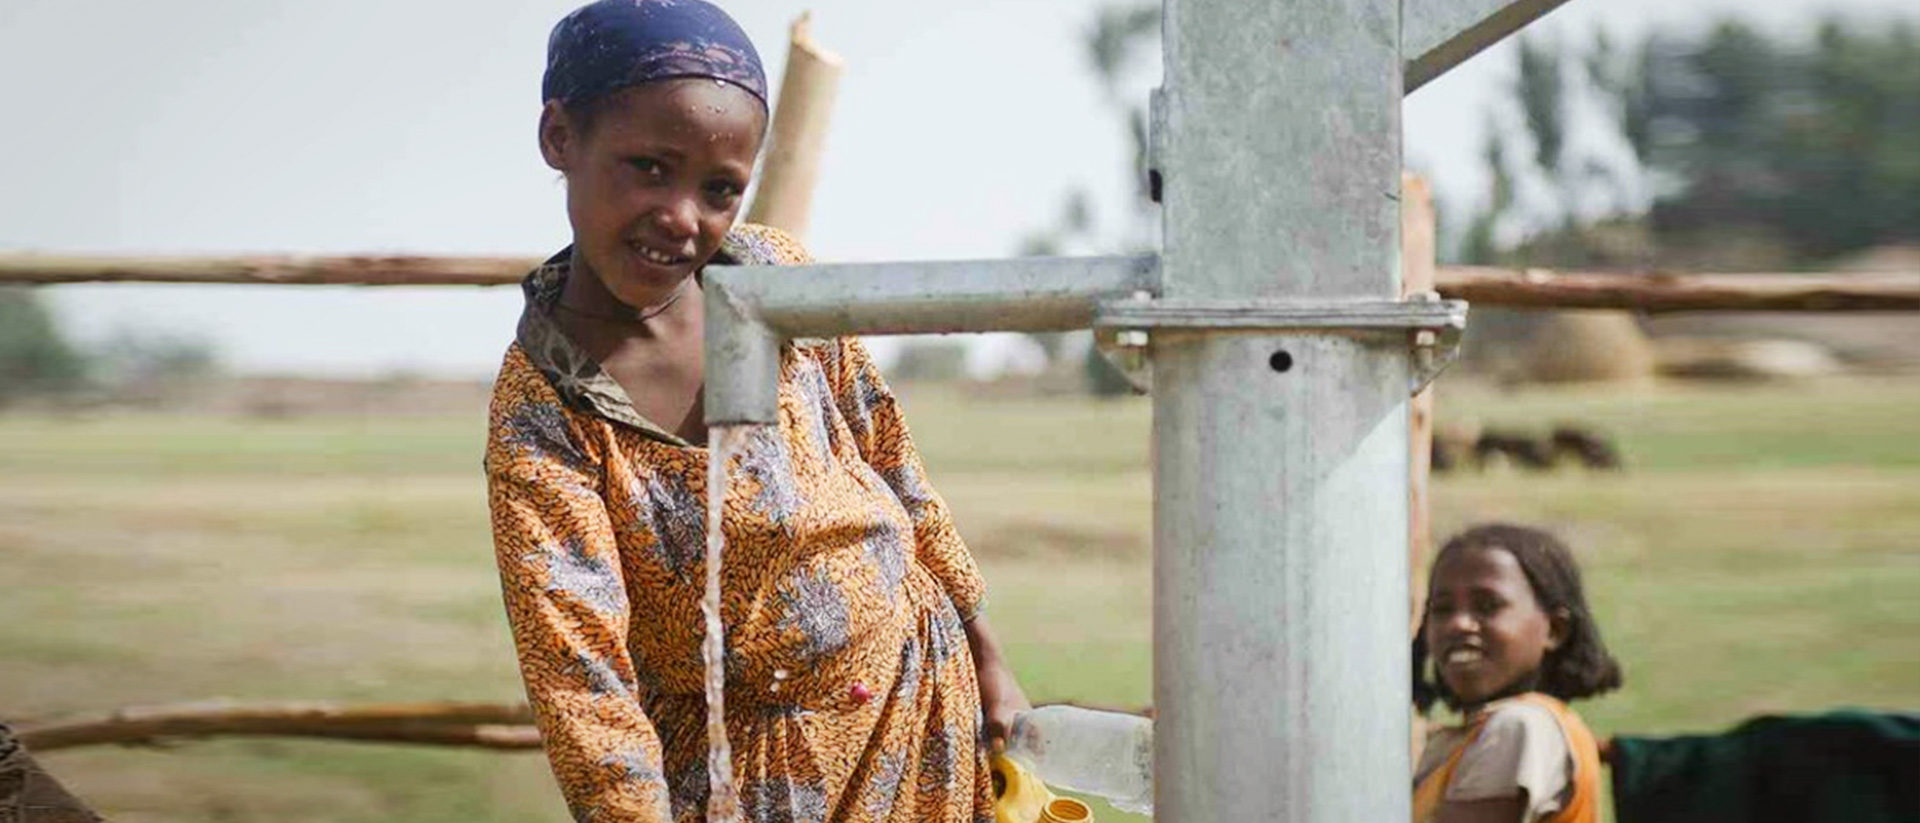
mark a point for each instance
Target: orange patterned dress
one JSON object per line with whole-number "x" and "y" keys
{"x": 851, "y": 693}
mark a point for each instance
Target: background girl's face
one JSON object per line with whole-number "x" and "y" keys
{"x": 1486, "y": 632}
{"x": 656, "y": 181}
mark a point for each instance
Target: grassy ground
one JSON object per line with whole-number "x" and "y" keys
{"x": 1762, "y": 554}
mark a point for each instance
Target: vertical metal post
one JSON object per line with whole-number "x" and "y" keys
{"x": 1280, "y": 512}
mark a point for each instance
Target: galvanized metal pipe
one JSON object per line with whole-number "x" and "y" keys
{"x": 1440, "y": 34}
{"x": 751, "y": 310}
{"x": 1280, "y": 661}
{"x": 1280, "y": 461}
{"x": 1280, "y": 641}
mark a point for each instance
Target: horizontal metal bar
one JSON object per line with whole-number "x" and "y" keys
{"x": 1436, "y": 35}
{"x": 751, "y": 310}
{"x": 1282, "y": 314}
{"x": 1026, "y": 294}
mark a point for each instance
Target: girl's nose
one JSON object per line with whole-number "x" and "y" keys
{"x": 1461, "y": 622}
{"x": 680, "y": 216}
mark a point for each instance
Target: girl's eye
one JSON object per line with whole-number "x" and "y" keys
{"x": 648, "y": 167}
{"x": 723, "y": 190}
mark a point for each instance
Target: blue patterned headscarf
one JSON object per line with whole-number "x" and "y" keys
{"x": 606, "y": 46}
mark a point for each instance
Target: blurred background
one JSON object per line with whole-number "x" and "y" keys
{"x": 274, "y": 493}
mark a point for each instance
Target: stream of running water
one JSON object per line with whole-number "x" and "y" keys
{"x": 723, "y": 799}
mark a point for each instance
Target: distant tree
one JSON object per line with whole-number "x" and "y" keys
{"x": 1480, "y": 243}
{"x": 1541, "y": 92}
{"x": 1811, "y": 143}
{"x": 1620, "y": 76}
{"x": 1121, "y": 38}
{"x": 1789, "y": 151}
{"x": 132, "y": 358}
{"x": 934, "y": 359}
{"x": 35, "y": 360}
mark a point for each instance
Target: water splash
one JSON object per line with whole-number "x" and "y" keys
{"x": 723, "y": 799}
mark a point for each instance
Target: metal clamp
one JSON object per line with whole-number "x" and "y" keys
{"x": 1121, "y": 327}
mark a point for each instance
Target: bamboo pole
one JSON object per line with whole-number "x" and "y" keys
{"x": 483, "y": 725}
{"x": 784, "y": 199}
{"x": 1520, "y": 288}
{"x": 1418, "y": 247}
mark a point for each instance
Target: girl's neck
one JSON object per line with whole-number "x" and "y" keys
{"x": 586, "y": 298}
{"x": 1530, "y": 684}
{"x": 610, "y": 331}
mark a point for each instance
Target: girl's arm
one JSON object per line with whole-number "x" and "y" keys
{"x": 1000, "y": 694}
{"x": 567, "y": 606}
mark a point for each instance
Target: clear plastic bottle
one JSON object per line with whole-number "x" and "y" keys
{"x": 1107, "y": 754}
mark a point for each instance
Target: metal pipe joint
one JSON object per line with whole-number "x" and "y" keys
{"x": 751, "y": 311}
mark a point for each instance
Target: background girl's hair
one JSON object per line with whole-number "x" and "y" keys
{"x": 1582, "y": 666}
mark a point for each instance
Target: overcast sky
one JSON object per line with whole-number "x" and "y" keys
{"x": 227, "y": 126}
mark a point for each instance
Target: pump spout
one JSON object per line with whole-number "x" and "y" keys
{"x": 752, "y": 310}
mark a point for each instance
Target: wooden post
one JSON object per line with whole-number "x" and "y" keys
{"x": 784, "y": 199}
{"x": 1418, "y": 270}
{"x": 1417, "y": 273}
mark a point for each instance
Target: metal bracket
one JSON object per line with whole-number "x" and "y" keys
{"x": 1434, "y": 326}
{"x": 1125, "y": 349}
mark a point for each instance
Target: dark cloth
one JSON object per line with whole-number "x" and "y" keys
{"x": 606, "y": 46}
{"x": 29, "y": 795}
{"x": 1852, "y": 766}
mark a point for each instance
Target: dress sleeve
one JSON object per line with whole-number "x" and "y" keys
{"x": 1522, "y": 749}
{"x": 880, "y": 431}
{"x": 567, "y": 606}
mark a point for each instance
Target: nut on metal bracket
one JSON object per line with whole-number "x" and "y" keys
{"x": 1126, "y": 348}
{"x": 1434, "y": 349}
{"x": 1434, "y": 326}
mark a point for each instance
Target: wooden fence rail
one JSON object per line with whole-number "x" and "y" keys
{"x": 483, "y": 725}
{"x": 1661, "y": 292}
{"x": 1487, "y": 286}
{"x": 350, "y": 270}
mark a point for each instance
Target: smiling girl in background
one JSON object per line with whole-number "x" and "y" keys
{"x": 1510, "y": 638}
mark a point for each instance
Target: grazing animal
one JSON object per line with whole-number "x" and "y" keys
{"x": 1459, "y": 448}
{"x": 1589, "y": 447}
{"x": 1519, "y": 449}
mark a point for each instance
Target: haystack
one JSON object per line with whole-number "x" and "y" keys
{"x": 1588, "y": 347}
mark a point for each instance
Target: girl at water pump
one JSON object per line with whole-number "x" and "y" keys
{"x": 1510, "y": 639}
{"x": 862, "y": 681}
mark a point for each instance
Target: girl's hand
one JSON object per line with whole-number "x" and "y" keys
{"x": 1000, "y": 700}
{"x": 1000, "y": 695}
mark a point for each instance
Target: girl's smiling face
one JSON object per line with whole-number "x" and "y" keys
{"x": 655, "y": 181}
{"x": 1486, "y": 631}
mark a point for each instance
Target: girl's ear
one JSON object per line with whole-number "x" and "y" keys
{"x": 1559, "y": 628}
{"x": 557, "y": 136}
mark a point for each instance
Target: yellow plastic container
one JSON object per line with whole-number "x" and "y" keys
{"x": 1022, "y": 798}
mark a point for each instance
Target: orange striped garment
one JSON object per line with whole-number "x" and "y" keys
{"x": 851, "y": 694}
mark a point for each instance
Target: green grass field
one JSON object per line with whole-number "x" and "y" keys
{"x": 1761, "y": 554}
